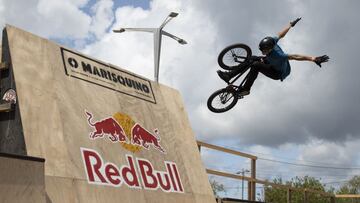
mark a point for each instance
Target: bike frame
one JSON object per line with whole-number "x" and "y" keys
{"x": 245, "y": 67}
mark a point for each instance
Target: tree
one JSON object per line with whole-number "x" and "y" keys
{"x": 273, "y": 194}
{"x": 350, "y": 187}
{"x": 217, "y": 187}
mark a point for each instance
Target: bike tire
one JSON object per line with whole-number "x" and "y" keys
{"x": 228, "y": 94}
{"x": 228, "y": 57}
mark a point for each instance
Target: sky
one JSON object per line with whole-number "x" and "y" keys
{"x": 311, "y": 118}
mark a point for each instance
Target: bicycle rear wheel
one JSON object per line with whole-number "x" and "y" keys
{"x": 233, "y": 56}
{"x": 222, "y": 100}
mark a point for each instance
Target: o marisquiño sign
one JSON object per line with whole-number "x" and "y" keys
{"x": 95, "y": 72}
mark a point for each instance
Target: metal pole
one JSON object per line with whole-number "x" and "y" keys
{"x": 158, "y": 32}
{"x": 242, "y": 172}
{"x": 242, "y": 184}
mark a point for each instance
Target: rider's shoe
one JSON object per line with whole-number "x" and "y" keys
{"x": 244, "y": 93}
{"x": 225, "y": 76}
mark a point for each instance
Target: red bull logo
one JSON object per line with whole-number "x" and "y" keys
{"x": 121, "y": 128}
{"x": 141, "y": 136}
{"x": 106, "y": 127}
{"x": 137, "y": 173}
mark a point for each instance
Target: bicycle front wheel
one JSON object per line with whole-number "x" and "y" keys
{"x": 222, "y": 100}
{"x": 233, "y": 56}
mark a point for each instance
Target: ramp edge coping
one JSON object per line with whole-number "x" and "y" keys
{"x": 6, "y": 107}
{"x": 22, "y": 157}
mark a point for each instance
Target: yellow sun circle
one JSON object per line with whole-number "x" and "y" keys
{"x": 126, "y": 122}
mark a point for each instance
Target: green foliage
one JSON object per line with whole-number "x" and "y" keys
{"x": 351, "y": 187}
{"x": 280, "y": 195}
{"x": 217, "y": 187}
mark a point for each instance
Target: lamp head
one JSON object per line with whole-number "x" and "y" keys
{"x": 120, "y": 30}
{"x": 173, "y": 14}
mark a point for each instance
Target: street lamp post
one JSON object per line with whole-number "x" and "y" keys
{"x": 242, "y": 172}
{"x": 158, "y": 32}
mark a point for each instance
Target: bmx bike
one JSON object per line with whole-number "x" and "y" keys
{"x": 236, "y": 56}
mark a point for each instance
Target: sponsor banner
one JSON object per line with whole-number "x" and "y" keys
{"x": 107, "y": 76}
{"x": 138, "y": 173}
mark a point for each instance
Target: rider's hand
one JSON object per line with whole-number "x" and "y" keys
{"x": 256, "y": 58}
{"x": 293, "y": 23}
{"x": 321, "y": 59}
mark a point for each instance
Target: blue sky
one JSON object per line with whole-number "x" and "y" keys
{"x": 311, "y": 118}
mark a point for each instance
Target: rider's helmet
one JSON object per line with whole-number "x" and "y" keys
{"x": 266, "y": 44}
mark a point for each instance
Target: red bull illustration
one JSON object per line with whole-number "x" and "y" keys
{"x": 122, "y": 128}
{"x": 107, "y": 126}
{"x": 141, "y": 136}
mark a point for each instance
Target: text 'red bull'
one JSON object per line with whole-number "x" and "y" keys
{"x": 101, "y": 173}
{"x": 107, "y": 126}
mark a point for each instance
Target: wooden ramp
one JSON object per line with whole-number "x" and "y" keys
{"x": 21, "y": 179}
{"x": 107, "y": 135}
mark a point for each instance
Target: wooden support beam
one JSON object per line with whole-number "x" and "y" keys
{"x": 306, "y": 196}
{"x": 253, "y": 183}
{"x": 249, "y": 179}
{"x": 249, "y": 191}
{"x": 226, "y": 150}
{"x": 228, "y": 175}
{"x": 4, "y": 66}
{"x": 288, "y": 195}
{"x": 347, "y": 196}
{"x": 6, "y": 107}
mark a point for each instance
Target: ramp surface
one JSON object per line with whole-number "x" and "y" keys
{"x": 107, "y": 135}
{"x": 21, "y": 179}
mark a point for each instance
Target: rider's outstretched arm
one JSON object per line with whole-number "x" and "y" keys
{"x": 318, "y": 60}
{"x": 287, "y": 28}
{"x": 282, "y": 33}
{"x": 298, "y": 57}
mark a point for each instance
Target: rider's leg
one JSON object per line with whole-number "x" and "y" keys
{"x": 226, "y": 76}
{"x": 265, "y": 69}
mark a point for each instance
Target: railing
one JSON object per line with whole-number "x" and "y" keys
{"x": 252, "y": 180}
{"x": 6, "y": 107}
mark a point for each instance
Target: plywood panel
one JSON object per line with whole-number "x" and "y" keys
{"x": 57, "y": 86}
{"x": 21, "y": 180}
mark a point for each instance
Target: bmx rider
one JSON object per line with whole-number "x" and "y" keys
{"x": 275, "y": 64}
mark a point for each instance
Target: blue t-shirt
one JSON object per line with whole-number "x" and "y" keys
{"x": 279, "y": 60}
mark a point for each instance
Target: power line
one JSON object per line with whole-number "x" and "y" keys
{"x": 308, "y": 165}
{"x": 322, "y": 164}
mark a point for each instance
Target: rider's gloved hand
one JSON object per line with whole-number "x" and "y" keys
{"x": 321, "y": 59}
{"x": 293, "y": 23}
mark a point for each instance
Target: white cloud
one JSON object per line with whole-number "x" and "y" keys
{"x": 103, "y": 17}
{"x": 62, "y": 19}
{"x": 57, "y": 19}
